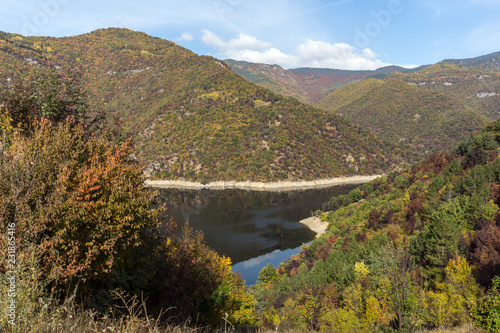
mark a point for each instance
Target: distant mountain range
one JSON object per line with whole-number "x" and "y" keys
{"x": 194, "y": 118}
{"x": 490, "y": 61}
{"x": 308, "y": 85}
{"x": 478, "y": 87}
{"x": 393, "y": 109}
{"x": 437, "y": 105}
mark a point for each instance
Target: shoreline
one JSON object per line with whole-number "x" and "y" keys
{"x": 315, "y": 224}
{"x": 280, "y": 186}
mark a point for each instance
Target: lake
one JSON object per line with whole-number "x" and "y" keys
{"x": 252, "y": 228}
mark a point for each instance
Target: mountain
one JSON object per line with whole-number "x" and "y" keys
{"x": 490, "y": 61}
{"x": 194, "y": 118}
{"x": 393, "y": 109}
{"x": 413, "y": 251}
{"x": 309, "y": 85}
{"x": 477, "y": 87}
{"x": 436, "y": 106}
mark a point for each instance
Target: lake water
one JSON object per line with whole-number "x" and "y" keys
{"x": 252, "y": 228}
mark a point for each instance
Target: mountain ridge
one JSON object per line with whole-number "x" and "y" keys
{"x": 194, "y": 118}
{"x": 310, "y": 85}
{"x": 394, "y": 109}
{"x": 307, "y": 84}
{"x": 489, "y": 61}
{"x": 478, "y": 87}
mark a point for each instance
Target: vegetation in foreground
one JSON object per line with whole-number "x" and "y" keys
{"x": 419, "y": 249}
{"x": 79, "y": 235}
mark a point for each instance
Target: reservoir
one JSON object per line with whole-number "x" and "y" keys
{"x": 253, "y": 228}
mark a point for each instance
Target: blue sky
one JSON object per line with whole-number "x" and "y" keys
{"x": 344, "y": 34}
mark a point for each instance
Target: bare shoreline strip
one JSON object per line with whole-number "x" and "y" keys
{"x": 280, "y": 186}
{"x": 315, "y": 224}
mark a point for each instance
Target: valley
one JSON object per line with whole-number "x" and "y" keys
{"x": 236, "y": 196}
{"x": 192, "y": 118}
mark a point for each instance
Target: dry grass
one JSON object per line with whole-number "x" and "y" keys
{"x": 66, "y": 318}
{"x": 39, "y": 312}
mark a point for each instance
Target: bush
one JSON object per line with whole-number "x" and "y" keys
{"x": 487, "y": 314}
{"x": 82, "y": 226}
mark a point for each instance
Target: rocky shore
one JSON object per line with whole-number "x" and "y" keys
{"x": 315, "y": 224}
{"x": 279, "y": 186}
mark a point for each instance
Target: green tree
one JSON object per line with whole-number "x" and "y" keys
{"x": 267, "y": 275}
{"x": 439, "y": 240}
{"x": 487, "y": 313}
{"x": 44, "y": 94}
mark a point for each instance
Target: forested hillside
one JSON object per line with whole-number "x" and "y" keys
{"x": 393, "y": 109}
{"x": 192, "y": 117}
{"x": 309, "y": 85}
{"x": 416, "y": 249}
{"x": 84, "y": 247}
{"x": 489, "y": 61}
{"x": 477, "y": 87}
{"x": 469, "y": 94}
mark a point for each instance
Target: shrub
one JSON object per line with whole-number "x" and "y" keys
{"x": 487, "y": 314}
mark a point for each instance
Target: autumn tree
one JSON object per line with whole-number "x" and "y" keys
{"x": 80, "y": 202}
{"x": 47, "y": 94}
{"x": 81, "y": 210}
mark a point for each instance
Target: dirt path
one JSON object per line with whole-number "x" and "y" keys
{"x": 260, "y": 186}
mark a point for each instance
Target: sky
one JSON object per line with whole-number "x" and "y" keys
{"x": 341, "y": 34}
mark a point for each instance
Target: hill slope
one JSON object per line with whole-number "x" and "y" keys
{"x": 476, "y": 87}
{"x": 309, "y": 85}
{"x": 393, "y": 109}
{"x": 490, "y": 61}
{"x": 193, "y": 117}
{"x": 405, "y": 252}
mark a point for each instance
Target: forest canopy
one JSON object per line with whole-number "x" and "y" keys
{"x": 418, "y": 249}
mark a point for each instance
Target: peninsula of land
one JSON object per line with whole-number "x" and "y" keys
{"x": 315, "y": 224}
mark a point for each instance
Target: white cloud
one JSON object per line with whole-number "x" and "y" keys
{"x": 243, "y": 42}
{"x": 186, "y": 37}
{"x": 311, "y": 53}
{"x": 268, "y": 56}
{"x": 316, "y": 50}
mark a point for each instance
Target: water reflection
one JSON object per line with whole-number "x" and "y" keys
{"x": 251, "y": 268}
{"x": 248, "y": 224}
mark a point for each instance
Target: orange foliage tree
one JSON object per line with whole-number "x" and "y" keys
{"x": 80, "y": 201}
